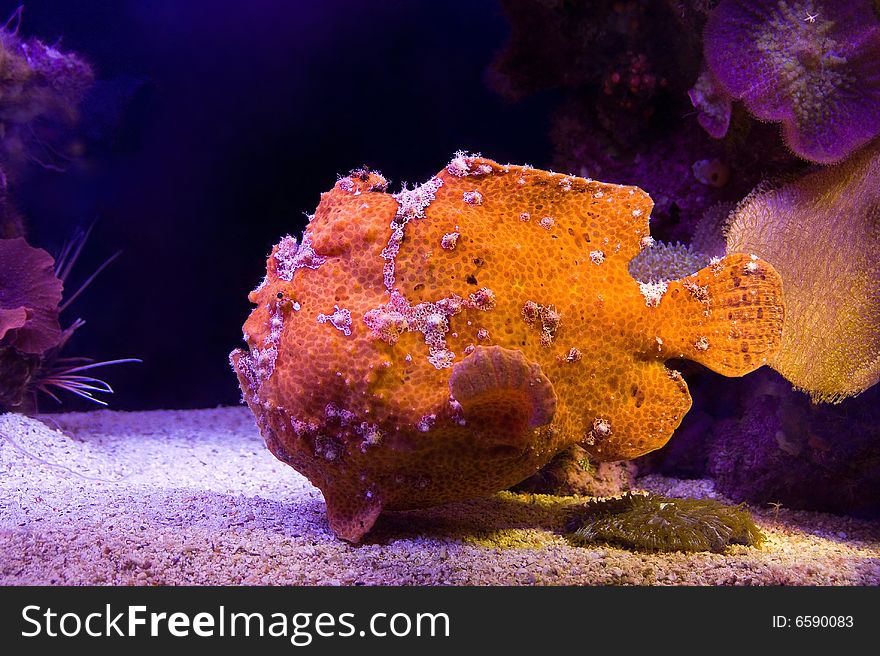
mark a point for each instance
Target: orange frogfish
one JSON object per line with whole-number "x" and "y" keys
{"x": 445, "y": 342}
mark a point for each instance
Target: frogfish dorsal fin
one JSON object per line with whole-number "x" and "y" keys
{"x": 498, "y": 386}
{"x": 727, "y": 316}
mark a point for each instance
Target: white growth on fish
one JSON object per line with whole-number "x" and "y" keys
{"x": 653, "y": 292}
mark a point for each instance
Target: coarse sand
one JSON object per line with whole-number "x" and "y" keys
{"x": 193, "y": 497}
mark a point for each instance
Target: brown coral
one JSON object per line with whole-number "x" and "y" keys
{"x": 822, "y": 233}
{"x": 450, "y": 373}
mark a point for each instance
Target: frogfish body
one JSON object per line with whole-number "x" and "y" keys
{"x": 445, "y": 342}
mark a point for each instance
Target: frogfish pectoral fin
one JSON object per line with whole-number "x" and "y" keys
{"x": 498, "y": 387}
{"x": 727, "y": 316}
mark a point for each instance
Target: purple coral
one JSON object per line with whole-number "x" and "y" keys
{"x": 712, "y": 104}
{"x": 812, "y": 65}
{"x": 780, "y": 447}
{"x": 41, "y": 88}
{"x": 30, "y": 294}
{"x": 31, "y": 338}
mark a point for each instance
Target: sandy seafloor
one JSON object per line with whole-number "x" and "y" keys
{"x": 194, "y": 497}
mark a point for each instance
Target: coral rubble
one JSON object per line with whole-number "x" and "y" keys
{"x": 397, "y": 372}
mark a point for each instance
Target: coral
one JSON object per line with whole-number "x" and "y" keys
{"x": 663, "y": 164}
{"x": 691, "y": 12}
{"x": 40, "y": 90}
{"x": 29, "y": 297}
{"x": 822, "y": 233}
{"x": 547, "y": 44}
{"x": 575, "y": 45}
{"x": 619, "y": 62}
{"x": 11, "y": 222}
{"x": 812, "y": 65}
{"x": 708, "y": 237}
{"x": 466, "y": 370}
{"x": 31, "y": 337}
{"x": 765, "y": 443}
{"x": 686, "y": 456}
{"x": 624, "y": 71}
{"x": 778, "y": 447}
{"x": 661, "y": 261}
{"x": 627, "y": 101}
{"x": 712, "y": 103}
{"x": 656, "y": 523}
{"x": 711, "y": 172}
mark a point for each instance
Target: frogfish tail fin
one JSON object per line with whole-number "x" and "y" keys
{"x": 727, "y": 316}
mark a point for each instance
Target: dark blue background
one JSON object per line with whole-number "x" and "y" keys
{"x": 216, "y": 126}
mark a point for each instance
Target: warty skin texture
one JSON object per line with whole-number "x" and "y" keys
{"x": 365, "y": 335}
